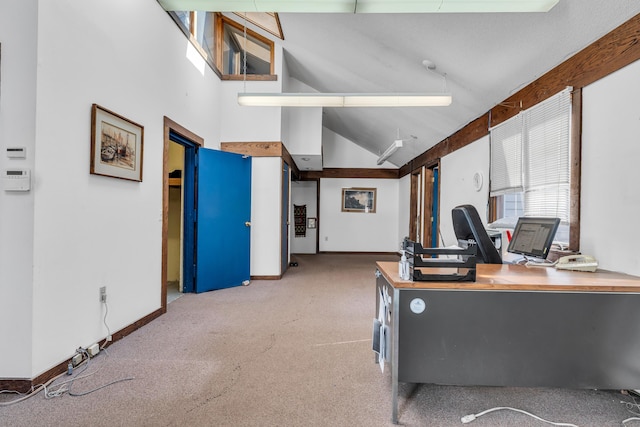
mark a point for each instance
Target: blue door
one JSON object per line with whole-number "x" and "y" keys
{"x": 223, "y": 219}
{"x": 188, "y": 231}
{"x": 434, "y": 210}
{"x": 284, "y": 245}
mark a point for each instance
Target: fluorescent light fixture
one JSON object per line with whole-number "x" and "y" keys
{"x": 314, "y": 99}
{"x": 398, "y": 100}
{"x": 362, "y": 6}
{"x": 389, "y": 151}
{"x": 290, "y": 100}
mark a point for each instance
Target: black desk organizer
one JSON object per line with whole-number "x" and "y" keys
{"x": 466, "y": 261}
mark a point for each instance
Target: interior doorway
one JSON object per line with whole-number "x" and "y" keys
{"x": 178, "y": 231}
{"x": 175, "y": 238}
{"x": 284, "y": 226}
{"x": 424, "y": 222}
{"x": 306, "y": 194}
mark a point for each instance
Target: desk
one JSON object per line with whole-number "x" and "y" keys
{"x": 513, "y": 326}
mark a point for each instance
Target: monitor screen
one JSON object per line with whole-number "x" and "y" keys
{"x": 532, "y": 236}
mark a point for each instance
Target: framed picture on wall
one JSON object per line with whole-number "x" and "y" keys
{"x": 116, "y": 145}
{"x": 311, "y": 223}
{"x": 359, "y": 200}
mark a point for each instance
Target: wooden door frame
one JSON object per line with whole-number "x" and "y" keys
{"x": 427, "y": 206}
{"x": 413, "y": 205}
{"x": 284, "y": 217}
{"x": 419, "y": 178}
{"x": 169, "y": 127}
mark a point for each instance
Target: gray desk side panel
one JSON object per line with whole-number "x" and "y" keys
{"x": 572, "y": 340}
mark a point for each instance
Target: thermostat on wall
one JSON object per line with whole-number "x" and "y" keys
{"x": 16, "y": 180}
{"x": 477, "y": 181}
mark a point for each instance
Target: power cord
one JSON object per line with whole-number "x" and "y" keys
{"x": 24, "y": 396}
{"x": 468, "y": 418}
{"x": 62, "y": 387}
{"x": 65, "y": 387}
{"x": 537, "y": 264}
{"x": 634, "y": 408}
{"x": 35, "y": 389}
{"x": 104, "y": 320}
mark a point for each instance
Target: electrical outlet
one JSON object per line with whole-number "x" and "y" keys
{"x": 103, "y": 294}
{"x": 93, "y": 350}
{"x": 77, "y": 359}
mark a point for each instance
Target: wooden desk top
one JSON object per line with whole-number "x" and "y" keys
{"x": 520, "y": 278}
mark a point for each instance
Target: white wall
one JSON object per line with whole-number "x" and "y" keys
{"x": 109, "y": 232}
{"x": 610, "y": 200}
{"x": 304, "y": 125}
{"x": 349, "y": 231}
{"x": 266, "y": 207}
{"x": 358, "y": 232}
{"x": 304, "y": 193}
{"x": 456, "y": 184}
{"x": 75, "y": 232}
{"x": 305, "y": 131}
{"x": 243, "y": 124}
{"x": 18, "y": 38}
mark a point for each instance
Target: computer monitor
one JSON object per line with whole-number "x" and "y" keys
{"x": 533, "y": 236}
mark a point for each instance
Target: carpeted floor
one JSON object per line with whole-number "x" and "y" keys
{"x": 291, "y": 352}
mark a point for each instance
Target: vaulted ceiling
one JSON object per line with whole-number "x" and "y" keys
{"x": 486, "y": 57}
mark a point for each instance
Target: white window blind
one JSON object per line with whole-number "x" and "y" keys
{"x": 506, "y": 157}
{"x": 530, "y": 153}
{"x": 546, "y": 158}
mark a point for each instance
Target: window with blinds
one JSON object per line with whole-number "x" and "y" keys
{"x": 530, "y": 154}
{"x": 546, "y": 157}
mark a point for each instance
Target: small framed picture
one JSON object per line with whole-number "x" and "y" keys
{"x": 116, "y": 145}
{"x": 311, "y": 223}
{"x": 359, "y": 200}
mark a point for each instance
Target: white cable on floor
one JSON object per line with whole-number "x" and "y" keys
{"x": 634, "y": 408}
{"x": 468, "y": 418}
{"x": 104, "y": 320}
{"x": 25, "y": 396}
{"x": 65, "y": 386}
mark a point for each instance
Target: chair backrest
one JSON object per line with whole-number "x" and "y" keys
{"x": 467, "y": 225}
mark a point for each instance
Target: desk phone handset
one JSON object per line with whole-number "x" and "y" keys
{"x": 577, "y": 263}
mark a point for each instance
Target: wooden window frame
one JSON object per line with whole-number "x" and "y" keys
{"x": 221, "y": 20}
{"x": 575, "y": 150}
{"x": 215, "y": 58}
{"x": 189, "y": 33}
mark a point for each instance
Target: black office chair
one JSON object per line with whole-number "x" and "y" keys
{"x": 468, "y": 226}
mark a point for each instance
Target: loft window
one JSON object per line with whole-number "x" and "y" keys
{"x": 268, "y": 21}
{"x": 222, "y": 43}
{"x": 236, "y": 48}
{"x": 199, "y": 27}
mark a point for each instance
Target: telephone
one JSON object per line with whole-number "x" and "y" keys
{"x": 577, "y": 263}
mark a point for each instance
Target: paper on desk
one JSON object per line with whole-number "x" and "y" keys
{"x": 383, "y": 347}
{"x": 380, "y": 324}
{"x": 381, "y": 306}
